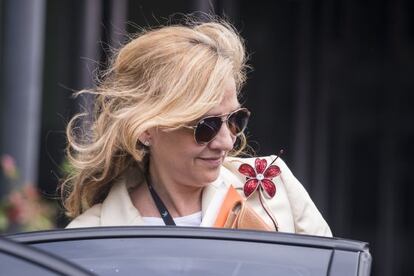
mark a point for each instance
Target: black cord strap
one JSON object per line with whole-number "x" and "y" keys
{"x": 165, "y": 215}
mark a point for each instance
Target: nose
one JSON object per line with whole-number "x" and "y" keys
{"x": 224, "y": 140}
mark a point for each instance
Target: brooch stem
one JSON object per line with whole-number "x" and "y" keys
{"x": 266, "y": 208}
{"x": 274, "y": 160}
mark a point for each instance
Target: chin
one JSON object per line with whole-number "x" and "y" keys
{"x": 210, "y": 176}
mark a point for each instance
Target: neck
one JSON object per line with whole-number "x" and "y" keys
{"x": 178, "y": 198}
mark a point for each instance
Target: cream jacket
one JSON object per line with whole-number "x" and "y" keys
{"x": 291, "y": 206}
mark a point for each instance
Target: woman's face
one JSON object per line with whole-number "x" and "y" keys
{"x": 175, "y": 156}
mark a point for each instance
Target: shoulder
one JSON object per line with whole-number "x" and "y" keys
{"x": 89, "y": 218}
{"x": 291, "y": 202}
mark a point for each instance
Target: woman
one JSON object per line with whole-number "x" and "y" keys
{"x": 167, "y": 120}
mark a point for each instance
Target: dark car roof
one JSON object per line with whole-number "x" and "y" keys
{"x": 18, "y": 259}
{"x": 98, "y": 248}
{"x": 190, "y": 232}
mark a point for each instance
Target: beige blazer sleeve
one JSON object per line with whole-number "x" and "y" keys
{"x": 307, "y": 218}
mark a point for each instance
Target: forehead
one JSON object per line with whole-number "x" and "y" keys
{"x": 229, "y": 101}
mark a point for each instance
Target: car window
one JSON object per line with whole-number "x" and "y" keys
{"x": 190, "y": 256}
{"x": 13, "y": 265}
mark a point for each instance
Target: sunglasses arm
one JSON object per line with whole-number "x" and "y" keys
{"x": 190, "y": 127}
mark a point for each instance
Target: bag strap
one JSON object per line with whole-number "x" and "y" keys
{"x": 232, "y": 197}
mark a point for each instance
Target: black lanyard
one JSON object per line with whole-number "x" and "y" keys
{"x": 165, "y": 215}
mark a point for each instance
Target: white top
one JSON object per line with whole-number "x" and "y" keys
{"x": 190, "y": 220}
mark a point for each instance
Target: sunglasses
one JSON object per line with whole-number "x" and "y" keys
{"x": 207, "y": 128}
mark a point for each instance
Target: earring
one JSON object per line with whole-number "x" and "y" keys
{"x": 146, "y": 143}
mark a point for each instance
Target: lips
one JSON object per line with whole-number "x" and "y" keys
{"x": 211, "y": 158}
{"x": 212, "y": 161}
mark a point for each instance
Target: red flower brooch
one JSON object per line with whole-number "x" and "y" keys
{"x": 260, "y": 176}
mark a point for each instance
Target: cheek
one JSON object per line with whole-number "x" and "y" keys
{"x": 177, "y": 146}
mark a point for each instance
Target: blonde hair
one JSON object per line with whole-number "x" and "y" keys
{"x": 164, "y": 77}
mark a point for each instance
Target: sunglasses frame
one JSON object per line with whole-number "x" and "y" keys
{"x": 225, "y": 120}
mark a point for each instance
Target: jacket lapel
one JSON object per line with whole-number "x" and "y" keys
{"x": 212, "y": 198}
{"x": 215, "y": 193}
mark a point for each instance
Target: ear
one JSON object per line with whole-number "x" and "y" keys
{"x": 145, "y": 138}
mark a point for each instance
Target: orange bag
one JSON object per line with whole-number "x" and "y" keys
{"x": 235, "y": 213}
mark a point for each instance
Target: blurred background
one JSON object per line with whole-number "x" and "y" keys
{"x": 332, "y": 85}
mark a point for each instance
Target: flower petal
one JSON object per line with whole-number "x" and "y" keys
{"x": 272, "y": 171}
{"x": 269, "y": 187}
{"x": 250, "y": 186}
{"x": 247, "y": 170}
{"x": 260, "y": 165}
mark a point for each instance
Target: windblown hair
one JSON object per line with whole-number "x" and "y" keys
{"x": 164, "y": 77}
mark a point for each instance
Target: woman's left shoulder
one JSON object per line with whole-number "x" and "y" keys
{"x": 292, "y": 204}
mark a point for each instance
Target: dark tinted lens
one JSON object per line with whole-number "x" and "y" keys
{"x": 237, "y": 121}
{"x": 207, "y": 129}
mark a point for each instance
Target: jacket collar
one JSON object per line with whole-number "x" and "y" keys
{"x": 117, "y": 208}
